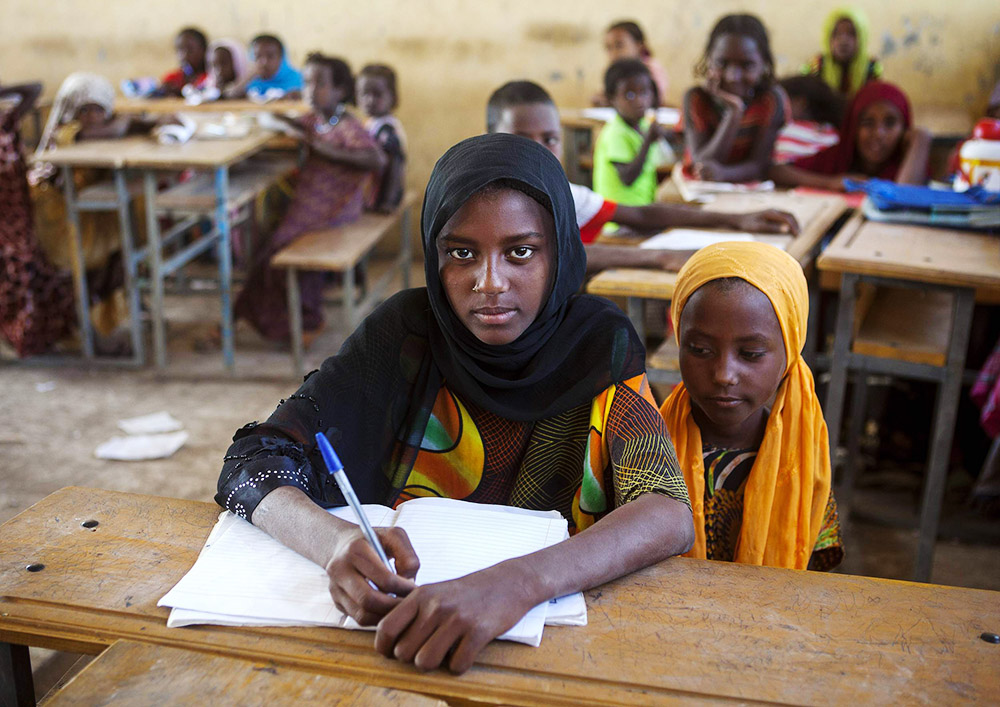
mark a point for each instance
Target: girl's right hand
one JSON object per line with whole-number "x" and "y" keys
{"x": 731, "y": 100}
{"x": 355, "y": 567}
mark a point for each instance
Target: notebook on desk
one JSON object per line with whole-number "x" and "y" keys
{"x": 244, "y": 577}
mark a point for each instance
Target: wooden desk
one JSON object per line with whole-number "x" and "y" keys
{"x": 145, "y": 154}
{"x": 680, "y": 630}
{"x": 816, "y": 216}
{"x": 919, "y": 258}
{"x": 143, "y": 674}
{"x": 162, "y": 106}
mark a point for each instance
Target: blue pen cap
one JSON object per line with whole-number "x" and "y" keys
{"x": 329, "y": 456}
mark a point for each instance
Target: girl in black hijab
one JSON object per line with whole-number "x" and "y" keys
{"x": 496, "y": 383}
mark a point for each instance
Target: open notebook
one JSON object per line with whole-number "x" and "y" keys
{"x": 244, "y": 577}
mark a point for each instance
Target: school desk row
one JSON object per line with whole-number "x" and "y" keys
{"x": 84, "y": 568}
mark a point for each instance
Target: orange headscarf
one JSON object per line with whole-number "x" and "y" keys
{"x": 788, "y": 488}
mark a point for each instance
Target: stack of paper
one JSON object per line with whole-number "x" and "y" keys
{"x": 245, "y": 577}
{"x": 695, "y": 239}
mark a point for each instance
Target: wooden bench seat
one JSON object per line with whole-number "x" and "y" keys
{"x": 341, "y": 249}
{"x": 106, "y": 193}
{"x": 246, "y": 181}
{"x": 906, "y": 325}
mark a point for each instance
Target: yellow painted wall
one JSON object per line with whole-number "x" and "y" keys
{"x": 450, "y": 55}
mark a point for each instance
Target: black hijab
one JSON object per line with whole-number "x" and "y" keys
{"x": 374, "y": 398}
{"x": 577, "y": 346}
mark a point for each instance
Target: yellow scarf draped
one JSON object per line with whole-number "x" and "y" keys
{"x": 787, "y": 491}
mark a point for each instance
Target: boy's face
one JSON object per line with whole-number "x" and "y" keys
{"x": 535, "y": 121}
{"x": 189, "y": 51}
{"x": 374, "y": 96}
{"x": 267, "y": 58}
{"x": 320, "y": 93}
{"x": 633, "y": 97}
{"x": 844, "y": 41}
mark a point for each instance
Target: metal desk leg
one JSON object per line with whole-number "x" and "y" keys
{"x": 79, "y": 264}
{"x": 16, "y": 684}
{"x": 295, "y": 319}
{"x": 350, "y": 311}
{"x": 406, "y": 248}
{"x": 845, "y": 493}
{"x": 155, "y": 263}
{"x": 813, "y": 330}
{"x": 945, "y": 414}
{"x": 131, "y": 273}
{"x": 225, "y": 252}
{"x": 635, "y": 314}
{"x": 834, "y": 408}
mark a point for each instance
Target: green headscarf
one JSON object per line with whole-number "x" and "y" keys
{"x": 857, "y": 70}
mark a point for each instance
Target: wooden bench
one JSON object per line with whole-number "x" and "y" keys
{"x": 131, "y": 673}
{"x": 340, "y": 250}
{"x": 246, "y": 181}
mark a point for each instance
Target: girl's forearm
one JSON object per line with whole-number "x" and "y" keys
{"x": 636, "y": 535}
{"x": 369, "y": 159}
{"x": 721, "y": 142}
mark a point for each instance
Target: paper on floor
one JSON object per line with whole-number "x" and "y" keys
{"x": 152, "y": 424}
{"x": 139, "y": 447}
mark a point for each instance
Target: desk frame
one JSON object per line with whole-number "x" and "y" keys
{"x": 948, "y": 376}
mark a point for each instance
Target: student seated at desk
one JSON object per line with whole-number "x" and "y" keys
{"x": 759, "y": 477}
{"x": 191, "y": 47}
{"x": 378, "y": 98}
{"x": 844, "y": 64}
{"x": 227, "y": 67}
{"x": 626, "y": 40}
{"x": 36, "y": 298}
{"x": 627, "y": 151}
{"x": 330, "y": 191}
{"x": 732, "y": 121}
{"x": 526, "y": 109}
{"x": 83, "y": 109}
{"x": 273, "y": 77}
{"x": 877, "y": 140}
{"x": 497, "y": 383}
{"x": 817, "y": 114}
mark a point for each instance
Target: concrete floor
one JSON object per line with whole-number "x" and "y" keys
{"x": 52, "y": 418}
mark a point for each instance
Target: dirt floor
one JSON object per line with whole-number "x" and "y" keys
{"x": 52, "y": 419}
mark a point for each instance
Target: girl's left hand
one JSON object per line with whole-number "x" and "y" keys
{"x": 451, "y": 622}
{"x": 768, "y": 221}
{"x": 707, "y": 170}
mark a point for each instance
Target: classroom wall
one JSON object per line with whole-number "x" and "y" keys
{"x": 450, "y": 55}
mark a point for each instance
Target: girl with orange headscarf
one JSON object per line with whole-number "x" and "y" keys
{"x": 746, "y": 423}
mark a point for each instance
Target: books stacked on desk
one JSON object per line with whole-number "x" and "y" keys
{"x": 244, "y": 577}
{"x": 975, "y": 208}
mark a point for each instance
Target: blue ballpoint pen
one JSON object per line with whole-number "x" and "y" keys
{"x": 336, "y": 470}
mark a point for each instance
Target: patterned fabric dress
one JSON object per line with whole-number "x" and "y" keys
{"x": 36, "y": 299}
{"x": 326, "y": 194}
{"x": 703, "y": 113}
{"x": 726, "y": 474}
{"x": 584, "y": 462}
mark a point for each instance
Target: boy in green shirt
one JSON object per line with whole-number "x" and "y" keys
{"x": 626, "y": 156}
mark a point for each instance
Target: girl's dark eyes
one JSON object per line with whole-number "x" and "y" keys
{"x": 522, "y": 252}
{"x": 460, "y": 253}
{"x": 698, "y": 350}
{"x": 753, "y": 355}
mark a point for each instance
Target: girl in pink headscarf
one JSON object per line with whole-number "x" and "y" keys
{"x": 227, "y": 67}
{"x": 878, "y": 139}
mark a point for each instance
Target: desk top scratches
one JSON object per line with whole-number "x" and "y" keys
{"x": 680, "y": 629}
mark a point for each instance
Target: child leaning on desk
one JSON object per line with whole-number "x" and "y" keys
{"x": 731, "y": 122}
{"x": 495, "y": 383}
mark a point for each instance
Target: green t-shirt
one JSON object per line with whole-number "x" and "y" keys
{"x": 618, "y": 142}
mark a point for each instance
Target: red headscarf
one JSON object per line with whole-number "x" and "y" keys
{"x": 839, "y": 158}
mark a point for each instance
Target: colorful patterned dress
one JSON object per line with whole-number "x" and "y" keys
{"x": 36, "y": 299}
{"x": 327, "y": 194}
{"x": 726, "y": 474}
{"x": 703, "y": 113}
